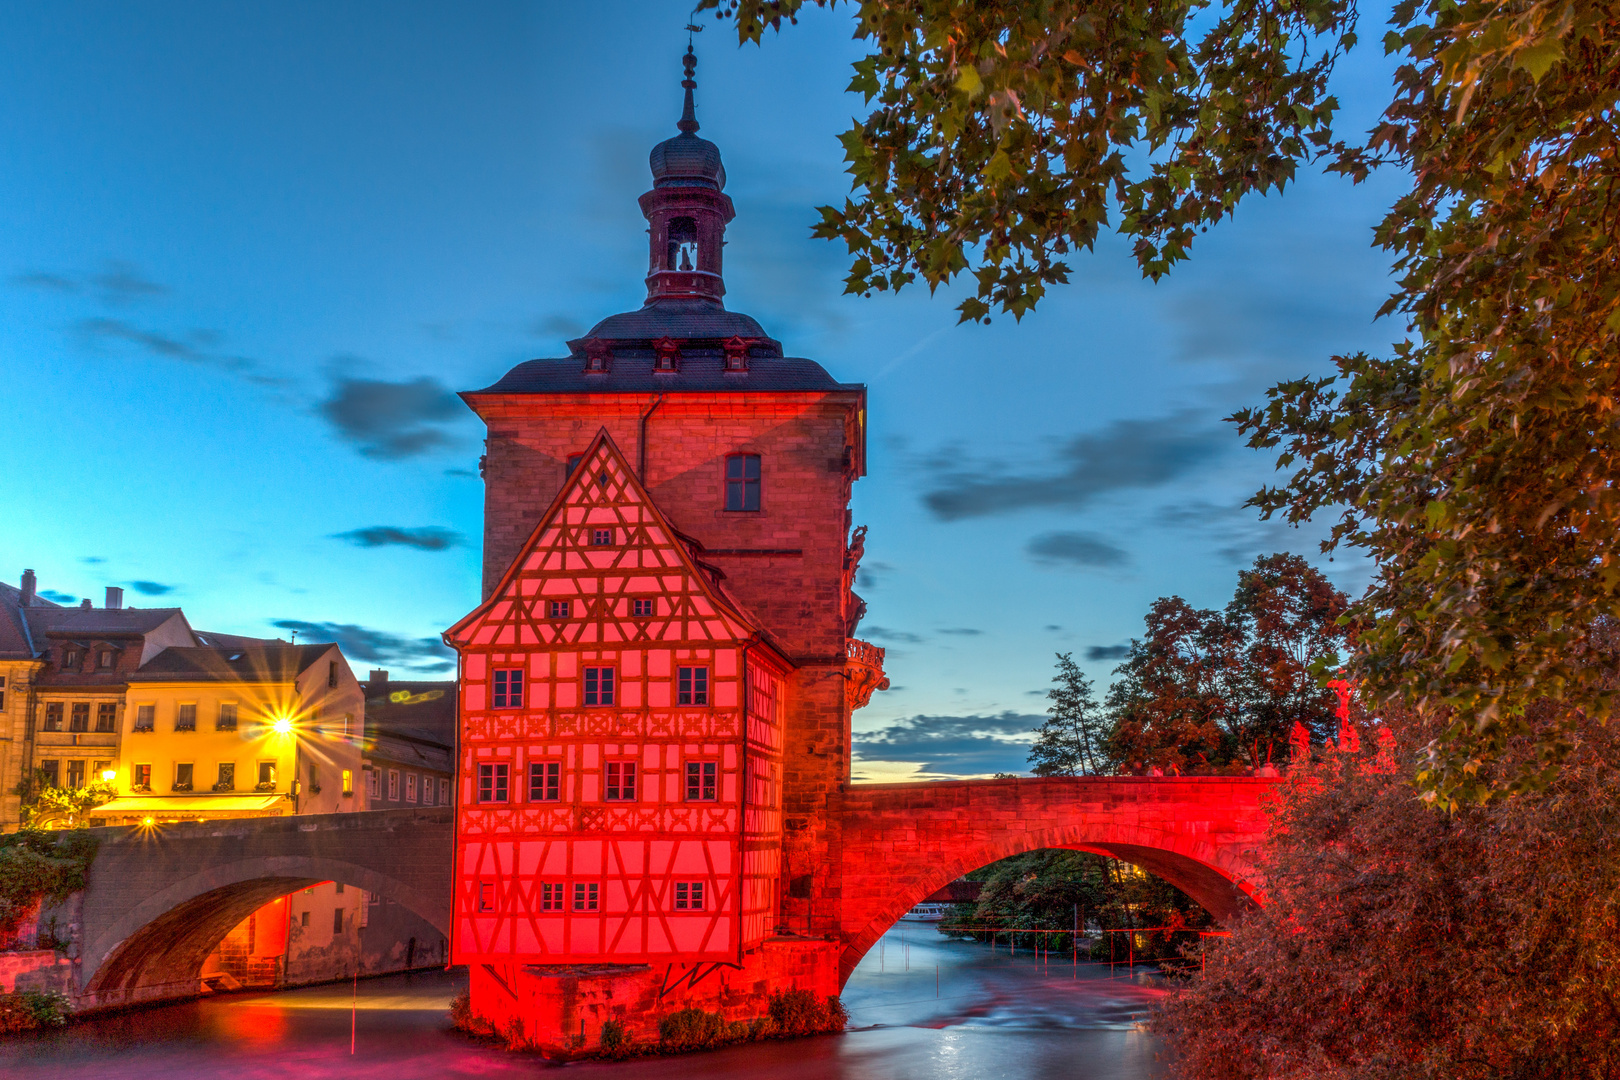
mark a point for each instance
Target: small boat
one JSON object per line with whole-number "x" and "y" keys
{"x": 927, "y": 913}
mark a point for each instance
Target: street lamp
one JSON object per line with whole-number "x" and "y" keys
{"x": 283, "y": 726}
{"x": 109, "y": 775}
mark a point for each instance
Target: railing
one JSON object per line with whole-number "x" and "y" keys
{"x": 863, "y": 653}
{"x": 863, "y": 672}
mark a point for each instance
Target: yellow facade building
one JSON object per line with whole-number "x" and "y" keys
{"x": 238, "y": 730}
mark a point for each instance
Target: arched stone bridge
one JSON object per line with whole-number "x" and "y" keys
{"x": 159, "y": 901}
{"x": 901, "y": 842}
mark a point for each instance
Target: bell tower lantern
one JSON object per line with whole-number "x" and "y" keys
{"x": 687, "y": 210}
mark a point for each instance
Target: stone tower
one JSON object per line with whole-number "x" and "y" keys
{"x": 676, "y": 436}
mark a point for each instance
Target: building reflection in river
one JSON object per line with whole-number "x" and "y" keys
{"x": 995, "y": 1015}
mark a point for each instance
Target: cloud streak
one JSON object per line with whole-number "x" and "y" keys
{"x": 428, "y": 538}
{"x": 376, "y": 646}
{"x": 151, "y": 588}
{"x": 953, "y": 745}
{"x": 1126, "y": 454}
{"x": 1077, "y": 549}
{"x": 390, "y": 421}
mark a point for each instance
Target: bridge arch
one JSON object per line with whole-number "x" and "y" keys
{"x": 902, "y": 843}
{"x": 159, "y": 903}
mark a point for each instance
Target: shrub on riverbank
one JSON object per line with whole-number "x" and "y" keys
{"x": 1399, "y": 940}
{"x": 31, "y": 1010}
{"x": 37, "y": 866}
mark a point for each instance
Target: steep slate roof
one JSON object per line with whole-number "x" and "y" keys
{"x": 419, "y": 710}
{"x": 632, "y": 373}
{"x": 95, "y": 622}
{"x": 225, "y": 641}
{"x": 250, "y": 663}
{"x": 16, "y": 643}
{"x": 423, "y": 755}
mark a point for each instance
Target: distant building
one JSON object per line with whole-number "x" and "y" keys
{"x": 260, "y": 729}
{"x": 410, "y": 738}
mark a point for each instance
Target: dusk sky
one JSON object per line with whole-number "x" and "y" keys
{"x": 248, "y": 254}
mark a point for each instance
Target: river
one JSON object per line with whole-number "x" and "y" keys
{"x": 921, "y": 1008}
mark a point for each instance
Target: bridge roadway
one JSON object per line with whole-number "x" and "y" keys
{"x": 160, "y": 900}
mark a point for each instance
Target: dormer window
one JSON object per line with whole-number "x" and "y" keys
{"x": 104, "y": 659}
{"x": 70, "y": 659}
{"x": 736, "y": 349}
{"x": 598, "y": 357}
{"x": 667, "y": 355}
{"x": 682, "y": 252}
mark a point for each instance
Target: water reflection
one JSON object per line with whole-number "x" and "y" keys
{"x": 921, "y": 1008}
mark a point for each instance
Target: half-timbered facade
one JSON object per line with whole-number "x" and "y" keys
{"x": 657, "y": 686}
{"x": 621, "y": 754}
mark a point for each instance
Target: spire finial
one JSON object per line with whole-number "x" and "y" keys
{"x": 688, "y": 123}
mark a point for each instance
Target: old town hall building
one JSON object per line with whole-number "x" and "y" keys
{"x": 657, "y": 687}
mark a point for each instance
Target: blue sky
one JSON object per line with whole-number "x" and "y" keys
{"x": 248, "y": 253}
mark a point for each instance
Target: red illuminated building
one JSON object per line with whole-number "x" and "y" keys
{"x": 657, "y": 688}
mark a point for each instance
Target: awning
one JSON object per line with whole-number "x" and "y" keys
{"x": 187, "y": 805}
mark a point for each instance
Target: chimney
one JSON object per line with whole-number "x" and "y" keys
{"x": 29, "y": 586}
{"x": 115, "y": 596}
{"x": 86, "y": 604}
{"x": 379, "y": 678}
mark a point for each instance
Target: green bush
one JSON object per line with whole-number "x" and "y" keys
{"x": 692, "y": 1029}
{"x": 800, "y": 1012}
{"x": 464, "y": 1019}
{"x": 612, "y": 1036}
{"x": 36, "y": 865}
{"x": 31, "y": 1010}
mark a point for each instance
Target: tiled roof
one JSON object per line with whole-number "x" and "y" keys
{"x": 424, "y": 710}
{"x": 15, "y": 643}
{"x": 210, "y": 637}
{"x": 410, "y": 752}
{"x": 683, "y": 320}
{"x": 80, "y": 622}
{"x": 248, "y": 663}
{"x": 702, "y": 371}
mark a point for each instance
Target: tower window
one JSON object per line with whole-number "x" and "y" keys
{"x": 682, "y": 253}
{"x": 742, "y": 482}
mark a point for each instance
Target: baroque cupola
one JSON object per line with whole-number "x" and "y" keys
{"x": 687, "y": 210}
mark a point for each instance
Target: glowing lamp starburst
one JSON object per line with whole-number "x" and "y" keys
{"x": 282, "y": 726}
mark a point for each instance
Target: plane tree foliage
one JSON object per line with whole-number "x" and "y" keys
{"x": 1475, "y": 463}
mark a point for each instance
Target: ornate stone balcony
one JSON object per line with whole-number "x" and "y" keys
{"x": 863, "y": 672}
